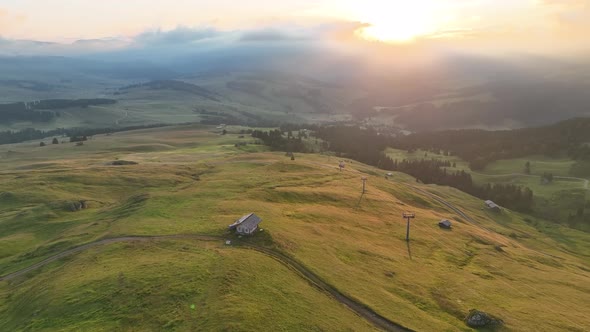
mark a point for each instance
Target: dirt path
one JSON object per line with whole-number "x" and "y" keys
{"x": 359, "y": 308}
{"x": 468, "y": 218}
{"x": 449, "y": 205}
{"x": 99, "y": 243}
{"x": 356, "y": 306}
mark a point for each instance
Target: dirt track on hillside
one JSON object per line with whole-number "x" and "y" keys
{"x": 359, "y": 308}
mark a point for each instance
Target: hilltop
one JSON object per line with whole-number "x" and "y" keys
{"x": 173, "y": 86}
{"x": 192, "y": 180}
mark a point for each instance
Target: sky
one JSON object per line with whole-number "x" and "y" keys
{"x": 544, "y": 26}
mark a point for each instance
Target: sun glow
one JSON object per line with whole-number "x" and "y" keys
{"x": 396, "y": 21}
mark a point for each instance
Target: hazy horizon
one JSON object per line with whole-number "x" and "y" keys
{"x": 456, "y": 63}
{"x": 420, "y": 28}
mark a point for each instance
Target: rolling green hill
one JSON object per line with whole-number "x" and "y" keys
{"x": 251, "y": 98}
{"x": 191, "y": 180}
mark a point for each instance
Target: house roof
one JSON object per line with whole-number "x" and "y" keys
{"x": 491, "y": 204}
{"x": 250, "y": 220}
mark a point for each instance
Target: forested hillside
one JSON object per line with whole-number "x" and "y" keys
{"x": 44, "y": 110}
{"x": 480, "y": 147}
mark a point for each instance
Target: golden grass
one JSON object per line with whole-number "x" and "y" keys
{"x": 534, "y": 278}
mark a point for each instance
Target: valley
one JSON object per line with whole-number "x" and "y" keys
{"x": 294, "y": 166}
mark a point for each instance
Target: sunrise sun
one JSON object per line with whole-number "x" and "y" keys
{"x": 396, "y": 21}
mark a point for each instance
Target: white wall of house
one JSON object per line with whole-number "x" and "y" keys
{"x": 245, "y": 230}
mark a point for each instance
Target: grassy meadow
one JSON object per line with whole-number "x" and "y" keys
{"x": 170, "y": 285}
{"x": 555, "y": 200}
{"x": 192, "y": 180}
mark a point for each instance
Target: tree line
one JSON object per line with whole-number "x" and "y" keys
{"x": 278, "y": 142}
{"x": 367, "y": 146}
{"x": 480, "y": 147}
{"x": 43, "y": 110}
{"x": 10, "y": 137}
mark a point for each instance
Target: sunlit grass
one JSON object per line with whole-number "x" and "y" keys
{"x": 201, "y": 182}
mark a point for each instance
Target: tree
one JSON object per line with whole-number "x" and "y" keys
{"x": 527, "y": 168}
{"x": 42, "y": 144}
{"x": 55, "y": 141}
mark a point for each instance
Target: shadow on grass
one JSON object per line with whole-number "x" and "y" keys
{"x": 358, "y": 204}
{"x": 261, "y": 238}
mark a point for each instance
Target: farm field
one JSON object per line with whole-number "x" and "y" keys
{"x": 192, "y": 180}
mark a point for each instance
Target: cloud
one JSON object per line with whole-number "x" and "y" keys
{"x": 272, "y": 35}
{"x": 333, "y": 31}
{"x": 330, "y": 35}
{"x": 180, "y": 35}
{"x": 99, "y": 45}
{"x": 16, "y": 47}
{"x": 28, "y": 47}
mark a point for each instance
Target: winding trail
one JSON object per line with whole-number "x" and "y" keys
{"x": 90, "y": 245}
{"x": 453, "y": 207}
{"x": 313, "y": 279}
{"x": 467, "y": 217}
{"x": 447, "y": 204}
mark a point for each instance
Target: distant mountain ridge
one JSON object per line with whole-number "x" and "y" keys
{"x": 176, "y": 86}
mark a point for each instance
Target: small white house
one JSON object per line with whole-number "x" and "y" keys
{"x": 246, "y": 225}
{"x": 493, "y": 206}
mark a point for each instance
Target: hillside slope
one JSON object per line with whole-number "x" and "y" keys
{"x": 189, "y": 180}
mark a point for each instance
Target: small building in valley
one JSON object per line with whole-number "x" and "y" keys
{"x": 493, "y": 206}
{"x": 246, "y": 225}
{"x": 446, "y": 224}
